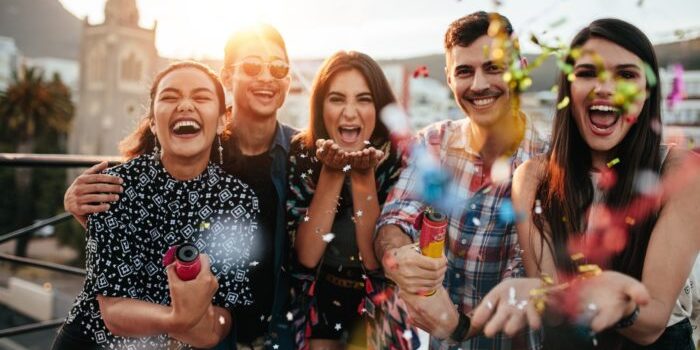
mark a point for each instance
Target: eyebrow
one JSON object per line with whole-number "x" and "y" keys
{"x": 619, "y": 66}
{"x": 177, "y": 91}
{"x": 331, "y": 93}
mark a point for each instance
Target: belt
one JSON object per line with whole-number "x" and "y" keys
{"x": 344, "y": 282}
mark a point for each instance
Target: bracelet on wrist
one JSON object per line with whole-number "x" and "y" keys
{"x": 462, "y": 331}
{"x": 628, "y": 320}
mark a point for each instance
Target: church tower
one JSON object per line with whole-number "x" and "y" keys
{"x": 117, "y": 62}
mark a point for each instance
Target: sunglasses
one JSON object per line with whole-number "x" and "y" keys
{"x": 253, "y": 66}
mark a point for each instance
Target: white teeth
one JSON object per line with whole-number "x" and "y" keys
{"x": 184, "y": 123}
{"x": 604, "y": 108}
{"x": 264, "y": 93}
{"x": 483, "y": 101}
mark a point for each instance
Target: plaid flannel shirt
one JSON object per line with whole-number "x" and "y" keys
{"x": 481, "y": 248}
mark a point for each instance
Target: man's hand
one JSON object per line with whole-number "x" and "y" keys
{"x": 91, "y": 192}
{"x": 413, "y": 272}
{"x": 507, "y": 308}
{"x": 190, "y": 300}
{"x": 434, "y": 314}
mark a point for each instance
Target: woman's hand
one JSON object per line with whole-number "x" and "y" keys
{"x": 364, "y": 160}
{"x": 331, "y": 155}
{"x": 507, "y": 308}
{"x": 610, "y": 296}
{"x": 190, "y": 300}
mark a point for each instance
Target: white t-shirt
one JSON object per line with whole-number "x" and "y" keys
{"x": 688, "y": 302}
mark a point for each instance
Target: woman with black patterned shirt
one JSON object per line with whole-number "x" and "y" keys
{"x": 130, "y": 301}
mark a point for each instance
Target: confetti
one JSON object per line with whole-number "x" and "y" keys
{"x": 407, "y": 334}
{"x": 275, "y": 346}
{"x": 290, "y": 316}
{"x": 501, "y": 171}
{"x": 507, "y": 212}
{"x": 677, "y": 93}
{"x": 254, "y": 263}
{"x": 421, "y": 71}
{"x": 346, "y": 168}
{"x": 647, "y": 182}
{"x": 336, "y": 303}
{"x": 511, "y": 296}
{"x": 476, "y": 221}
{"x": 563, "y": 103}
{"x": 359, "y": 213}
{"x": 328, "y": 237}
{"x": 306, "y": 218}
{"x": 338, "y": 327}
{"x": 538, "y": 206}
{"x": 613, "y": 162}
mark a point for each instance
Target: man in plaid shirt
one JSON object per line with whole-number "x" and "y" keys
{"x": 481, "y": 243}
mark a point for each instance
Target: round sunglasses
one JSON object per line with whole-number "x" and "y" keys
{"x": 253, "y": 66}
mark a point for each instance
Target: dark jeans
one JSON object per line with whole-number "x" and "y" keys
{"x": 676, "y": 337}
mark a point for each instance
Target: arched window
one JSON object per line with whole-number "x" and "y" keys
{"x": 95, "y": 65}
{"x": 131, "y": 68}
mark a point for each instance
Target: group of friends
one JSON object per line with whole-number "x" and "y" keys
{"x": 308, "y": 238}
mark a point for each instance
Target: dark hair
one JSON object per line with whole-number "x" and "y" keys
{"x": 257, "y": 33}
{"x": 566, "y": 191}
{"x": 379, "y": 87}
{"x": 466, "y": 30}
{"x": 142, "y": 140}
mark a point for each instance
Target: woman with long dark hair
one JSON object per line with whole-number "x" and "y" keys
{"x": 340, "y": 171}
{"x": 602, "y": 190}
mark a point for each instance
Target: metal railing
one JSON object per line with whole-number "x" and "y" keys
{"x": 43, "y": 160}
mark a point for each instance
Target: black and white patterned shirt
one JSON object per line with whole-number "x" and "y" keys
{"x": 125, "y": 245}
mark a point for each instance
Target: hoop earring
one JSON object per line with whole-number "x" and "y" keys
{"x": 156, "y": 151}
{"x": 221, "y": 150}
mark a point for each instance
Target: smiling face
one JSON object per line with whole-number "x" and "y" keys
{"x": 261, "y": 94}
{"x": 186, "y": 113}
{"x": 477, "y": 82}
{"x": 348, "y": 110}
{"x": 599, "y": 120}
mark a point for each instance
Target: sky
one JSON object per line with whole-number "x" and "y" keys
{"x": 382, "y": 28}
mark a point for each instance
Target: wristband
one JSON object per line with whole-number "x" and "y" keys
{"x": 460, "y": 333}
{"x": 628, "y": 320}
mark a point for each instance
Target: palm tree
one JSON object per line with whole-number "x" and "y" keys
{"x": 32, "y": 107}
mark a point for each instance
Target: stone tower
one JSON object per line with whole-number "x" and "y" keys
{"x": 117, "y": 61}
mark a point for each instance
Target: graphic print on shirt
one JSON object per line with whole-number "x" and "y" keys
{"x": 215, "y": 211}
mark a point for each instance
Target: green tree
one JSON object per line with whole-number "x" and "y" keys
{"x": 35, "y": 115}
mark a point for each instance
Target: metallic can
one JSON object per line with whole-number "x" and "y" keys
{"x": 432, "y": 236}
{"x": 187, "y": 264}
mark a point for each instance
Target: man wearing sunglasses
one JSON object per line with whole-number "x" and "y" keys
{"x": 256, "y": 77}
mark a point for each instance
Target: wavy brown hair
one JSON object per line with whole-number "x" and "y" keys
{"x": 379, "y": 87}
{"x": 142, "y": 140}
